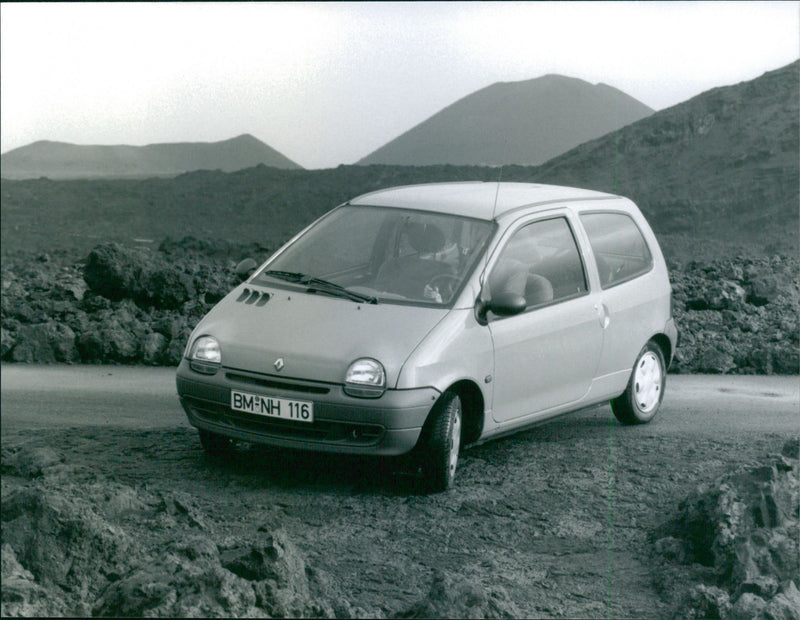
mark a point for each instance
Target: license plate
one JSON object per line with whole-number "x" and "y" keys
{"x": 284, "y": 408}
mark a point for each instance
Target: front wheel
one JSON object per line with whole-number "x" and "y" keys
{"x": 642, "y": 398}
{"x": 441, "y": 443}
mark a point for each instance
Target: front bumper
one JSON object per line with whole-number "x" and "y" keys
{"x": 389, "y": 425}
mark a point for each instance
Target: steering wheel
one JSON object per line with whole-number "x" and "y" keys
{"x": 446, "y": 283}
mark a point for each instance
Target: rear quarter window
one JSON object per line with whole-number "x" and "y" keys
{"x": 619, "y": 247}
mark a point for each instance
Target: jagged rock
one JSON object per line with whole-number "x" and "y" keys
{"x": 192, "y": 579}
{"x": 455, "y": 596}
{"x": 748, "y": 605}
{"x": 181, "y": 506}
{"x": 22, "y": 596}
{"x": 744, "y": 528}
{"x": 62, "y": 540}
{"x": 671, "y": 548}
{"x": 116, "y": 272}
{"x": 45, "y": 342}
{"x": 111, "y": 344}
{"x": 763, "y": 288}
{"x": 706, "y": 602}
{"x": 791, "y": 449}
{"x": 785, "y": 604}
{"x": 724, "y": 294}
{"x": 185, "y": 581}
{"x": 277, "y": 559}
{"x": 734, "y": 316}
{"x": 168, "y": 288}
{"x": 152, "y": 348}
{"x": 7, "y": 342}
{"x": 714, "y": 360}
{"x": 30, "y": 463}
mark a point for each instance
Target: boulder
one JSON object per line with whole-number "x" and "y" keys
{"x": 715, "y": 360}
{"x": 192, "y": 579}
{"x": 45, "y": 343}
{"x": 152, "y": 348}
{"x": 62, "y": 540}
{"x": 31, "y": 462}
{"x": 743, "y": 527}
{"x": 22, "y": 596}
{"x": 7, "y": 342}
{"x": 706, "y": 602}
{"x": 117, "y": 273}
{"x": 456, "y": 596}
{"x": 109, "y": 344}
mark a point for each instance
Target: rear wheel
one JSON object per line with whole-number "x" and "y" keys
{"x": 642, "y": 398}
{"x": 441, "y": 443}
{"x": 215, "y": 444}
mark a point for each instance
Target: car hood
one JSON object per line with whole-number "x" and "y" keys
{"x": 316, "y": 335}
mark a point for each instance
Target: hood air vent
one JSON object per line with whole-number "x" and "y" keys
{"x": 252, "y": 296}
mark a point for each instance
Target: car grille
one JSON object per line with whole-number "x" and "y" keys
{"x": 322, "y": 430}
{"x": 292, "y": 386}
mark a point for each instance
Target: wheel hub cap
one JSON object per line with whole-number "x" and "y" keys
{"x": 647, "y": 382}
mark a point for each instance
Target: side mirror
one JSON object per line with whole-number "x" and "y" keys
{"x": 245, "y": 269}
{"x": 507, "y": 304}
{"x": 502, "y": 304}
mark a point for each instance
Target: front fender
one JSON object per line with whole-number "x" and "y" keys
{"x": 457, "y": 349}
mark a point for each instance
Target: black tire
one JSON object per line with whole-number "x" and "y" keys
{"x": 214, "y": 444}
{"x": 441, "y": 443}
{"x": 642, "y": 398}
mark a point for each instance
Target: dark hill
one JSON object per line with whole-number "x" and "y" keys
{"x": 723, "y": 165}
{"x": 61, "y": 160}
{"x": 523, "y": 123}
{"x": 716, "y": 176}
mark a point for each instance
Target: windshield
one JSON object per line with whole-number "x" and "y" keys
{"x": 384, "y": 255}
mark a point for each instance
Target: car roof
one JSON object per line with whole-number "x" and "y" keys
{"x": 476, "y": 199}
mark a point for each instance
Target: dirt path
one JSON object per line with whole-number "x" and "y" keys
{"x": 558, "y": 521}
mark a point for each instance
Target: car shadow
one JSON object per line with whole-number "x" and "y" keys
{"x": 261, "y": 466}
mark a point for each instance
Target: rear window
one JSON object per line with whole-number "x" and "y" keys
{"x": 618, "y": 245}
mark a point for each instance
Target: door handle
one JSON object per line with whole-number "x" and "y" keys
{"x": 605, "y": 317}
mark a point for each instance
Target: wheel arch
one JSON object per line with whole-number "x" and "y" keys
{"x": 663, "y": 342}
{"x": 472, "y": 409}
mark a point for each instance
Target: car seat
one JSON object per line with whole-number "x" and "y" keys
{"x": 408, "y": 275}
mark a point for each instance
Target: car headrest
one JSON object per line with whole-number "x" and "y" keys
{"x": 425, "y": 238}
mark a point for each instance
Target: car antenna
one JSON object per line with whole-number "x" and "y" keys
{"x": 494, "y": 207}
{"x": 497, "y": 191}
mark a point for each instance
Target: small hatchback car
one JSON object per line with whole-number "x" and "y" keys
{"x": 425, "y": 318}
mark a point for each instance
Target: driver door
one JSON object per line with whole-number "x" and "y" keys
{"x": 548, "y": 355}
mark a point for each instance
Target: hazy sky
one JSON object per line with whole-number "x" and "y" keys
{"x": 328, "y": 83}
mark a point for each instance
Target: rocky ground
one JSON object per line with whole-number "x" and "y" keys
{"x": 579, "y": 520}
{"x": 583, "y": 519}
{"x": 121, "y": 305}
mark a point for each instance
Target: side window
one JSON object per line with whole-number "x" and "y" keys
{"x": 541, "y": 262}
{"x": 618, "y": 245}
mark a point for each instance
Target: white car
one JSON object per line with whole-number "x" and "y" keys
{"x": 425, "y": 318}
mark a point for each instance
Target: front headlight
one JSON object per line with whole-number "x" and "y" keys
{"x": 365, "y": 378}
{"x": 205, "y": 356}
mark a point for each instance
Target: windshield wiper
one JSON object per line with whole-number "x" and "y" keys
{"x": 318, "y": 284}
{"x": 291, "y": 276}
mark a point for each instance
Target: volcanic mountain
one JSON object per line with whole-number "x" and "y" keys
{"x": 524, "y": 123}
{"x": 724, "y": 164}
{"x": 62, "y": 160}
{"x": 717, "y": 175}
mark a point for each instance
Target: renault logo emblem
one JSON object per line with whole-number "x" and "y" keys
{"x": 279, "y": 364}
